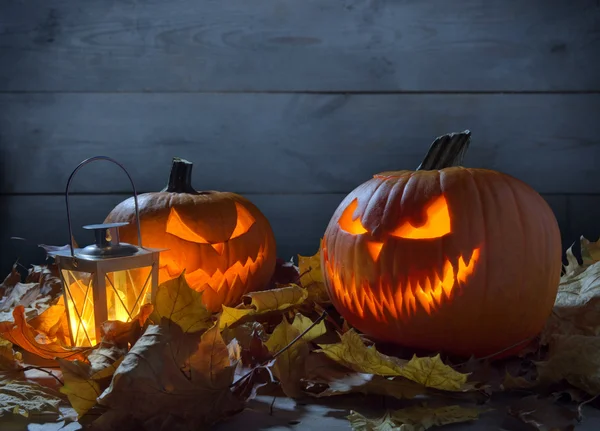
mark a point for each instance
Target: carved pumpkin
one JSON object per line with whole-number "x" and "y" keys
{"x": 464, "y": 261}
{"x": 221, "y": 239}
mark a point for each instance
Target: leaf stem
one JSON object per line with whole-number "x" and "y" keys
{"x": 31, "y": 367}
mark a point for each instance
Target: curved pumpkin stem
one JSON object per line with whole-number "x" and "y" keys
{"x": 446, "y": 151}
{"x": 180, "y": 179}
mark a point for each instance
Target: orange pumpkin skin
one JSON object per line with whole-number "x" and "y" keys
{"x": 222, "y": 240}
{"x": 480, "y": 276}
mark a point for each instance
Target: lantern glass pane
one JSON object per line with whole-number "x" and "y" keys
{"x": 79, "y": 299}
{"x": 127, "y": 291}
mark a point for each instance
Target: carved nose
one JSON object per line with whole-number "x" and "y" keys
{"x": 374, "y": 249}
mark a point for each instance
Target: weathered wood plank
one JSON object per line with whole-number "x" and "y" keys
{"x": 282, "y": 143}
{"x": 290, "y": 45}
{"x": 584, "y": 218}
{"x": 298, "y": 221}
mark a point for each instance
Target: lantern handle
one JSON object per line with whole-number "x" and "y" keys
{"x": 79, "y": 166}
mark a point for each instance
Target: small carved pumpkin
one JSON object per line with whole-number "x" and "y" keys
{"x": 464, "y": 261}
{"x": 221, "y": 239}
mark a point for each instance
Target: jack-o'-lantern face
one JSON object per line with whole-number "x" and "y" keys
{"x": 222, "y": 241}
{"x": 408, "y": 265}
{"x": 447, "y": 259}
{"x": 225, "y": 261}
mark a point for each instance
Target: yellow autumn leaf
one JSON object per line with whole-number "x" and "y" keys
{"x": 9, "y": 359}
{"x": 263, "y": 302}
{"x": 352, "y": 353}
{"x": 590, "y": 251}
{"x": 311, "y": 277}
{"x": 413, "y": 418}
{"x": 431, "y": 372}
{"x": 179, "y": 303}
{"x": 325, "y": 378}
{"x": 277, "y": 299}
{"x": 289, "y": 366}
{"x": 309, "y": 268}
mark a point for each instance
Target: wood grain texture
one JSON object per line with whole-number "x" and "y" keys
{"x": 298, "y": 221}
{"x": 287, "y": 143}
{"x": 291, "y": 45}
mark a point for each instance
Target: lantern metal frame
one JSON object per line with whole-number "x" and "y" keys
{"x": 110, "y": 256}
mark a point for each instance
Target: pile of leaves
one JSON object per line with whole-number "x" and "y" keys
{"x": 176, "y": 366}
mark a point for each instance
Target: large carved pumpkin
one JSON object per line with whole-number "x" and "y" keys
{"x": 464, "y": 261}
{"x": 221, "y": 239}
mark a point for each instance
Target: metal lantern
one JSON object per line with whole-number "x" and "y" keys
{"x": 107, "y": 280}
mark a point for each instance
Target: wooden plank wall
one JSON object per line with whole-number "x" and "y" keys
{"x": 291, "y": 103}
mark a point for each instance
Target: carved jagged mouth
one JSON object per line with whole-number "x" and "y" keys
{"x": 400, "y": 300}
{"x": 235, "y": 276}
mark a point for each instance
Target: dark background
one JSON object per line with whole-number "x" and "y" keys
{"x": 292, "y": 103}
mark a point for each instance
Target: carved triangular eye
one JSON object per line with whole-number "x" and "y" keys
{"x": 244, "y": 221}
{"x": 437, "y": 223}
{"x": 176, "y": 226}
{"x": 349, "y": 225}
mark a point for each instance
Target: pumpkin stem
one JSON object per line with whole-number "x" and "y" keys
{"x": 446, "y": 151}
{"x": 180, "y": 179}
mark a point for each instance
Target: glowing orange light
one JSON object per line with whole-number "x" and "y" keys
{"x": 374, "y": 249}
{"x": 234, "y": 277}
{"x": 346, "y": 222}
{"x": 176, "y": 226}
{"x": 244, "y": 221}
{"x": 124, "y": 297}
{"x": 395, "y": 299}
{"x": 437, "y": 223}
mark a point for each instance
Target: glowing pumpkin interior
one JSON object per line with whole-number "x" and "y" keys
{"x": 401, "y": 299}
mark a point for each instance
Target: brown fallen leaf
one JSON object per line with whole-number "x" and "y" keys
{"x": 414, "y": 418}
{"x": 182, "y": 305}
{"x": 171, "y": 380}
{"x": 126, "y": 333}
{"x": 324, "y": 378}
{"x": 285, "y": 273}
{"x": 28, "y": 399}
{"x": 22, "y": 334}
{"x": 262, "y": 302}
{"x": 574, "y": 358}
{"x": 10, "y": 281}
{"x": 85, "y": 381}
{"x": 511, "y": 382}
{"x": 289, "y": 365}
{"x": 543, "y": 414}
{"x": 428, "y": 371}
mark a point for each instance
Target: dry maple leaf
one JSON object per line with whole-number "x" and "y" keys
{"x": 171, "y": 380}
{"x": 311, "y": 277}
{"x": 289, "y": 365}
{"x": 574, "y": 358}
{"x": 22, "y": 334}
{"x": 324, "y": 378}
{"x": 262, "y": 302}
{"x": 28, "y": 399}
{"x": 431, "y": 372}
{"x": 179, "y": 303}
{"x": 85, "y": 381}
{"x": 414, "y": 418}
